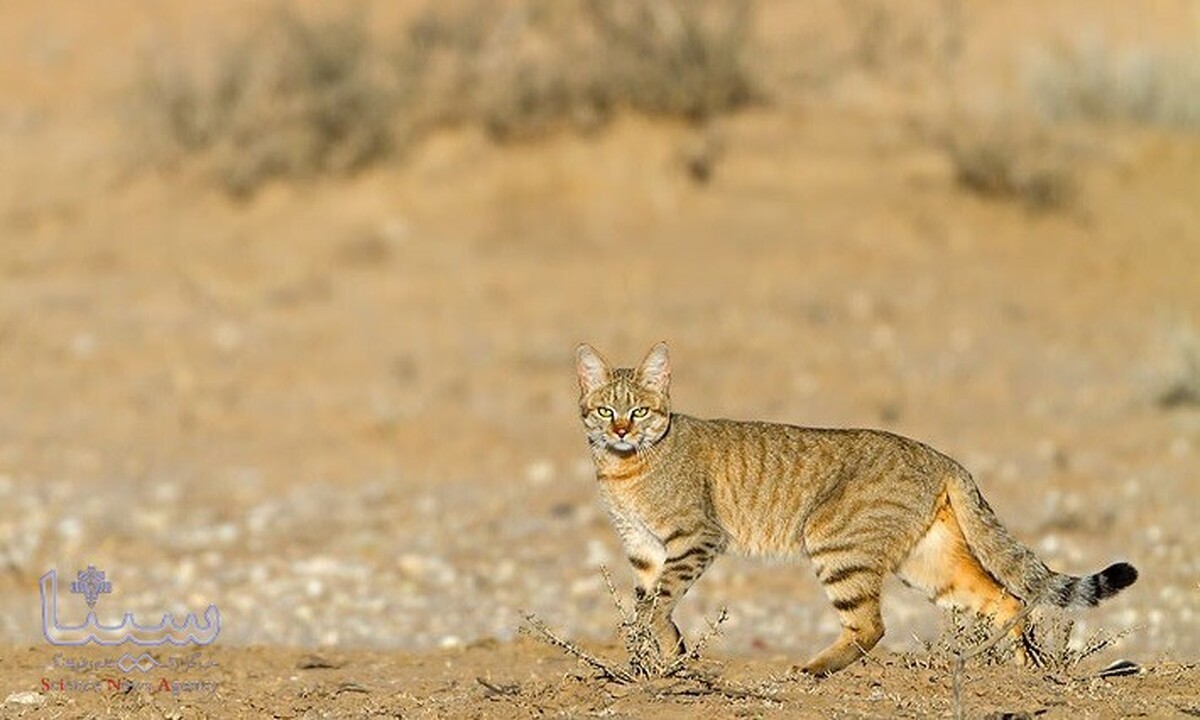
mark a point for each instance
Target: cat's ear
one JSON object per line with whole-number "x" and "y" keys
{"x": 592, "y": 368}
{"x": 655, "y": 371}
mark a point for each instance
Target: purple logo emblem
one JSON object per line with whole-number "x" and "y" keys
{"x": 90, "y": 584}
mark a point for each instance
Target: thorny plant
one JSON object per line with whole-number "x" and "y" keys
{"x": 1047, "y": 643}
{"x": 646, "y": 660}
{"x": 1058, "y": 655}
{"x": 961, "y": 630}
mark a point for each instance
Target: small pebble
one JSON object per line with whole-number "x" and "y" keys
{"x": 540, "y": 472}
{"x": 27, "y": 697}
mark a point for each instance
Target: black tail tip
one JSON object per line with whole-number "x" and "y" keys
{"x": 1116, "y": 577}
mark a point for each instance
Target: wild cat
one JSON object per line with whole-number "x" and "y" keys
{"x": 858, "y": 503}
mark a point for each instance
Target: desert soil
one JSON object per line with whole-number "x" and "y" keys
{"x": 525, "y": 678}
{"x": 343, "y": 410}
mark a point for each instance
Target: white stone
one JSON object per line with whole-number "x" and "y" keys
{"x": 83, "y": 345}
{"x": 540, "y": 472}
{"x": 227, "y": 337}
{"x": 226, "y": 533}
{"x": 314, "y": 587}
{"x": 1050, "y": 544}
{"x": 28, "y": 697}
{"x": 597, "y": 554}
{"x": 70, "y": 529}
{"x": 585, "y": 586}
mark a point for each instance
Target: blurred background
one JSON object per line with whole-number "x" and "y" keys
{"x": 289, "y": 292}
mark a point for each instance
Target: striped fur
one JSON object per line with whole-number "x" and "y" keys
{"x": 859, "y": 503}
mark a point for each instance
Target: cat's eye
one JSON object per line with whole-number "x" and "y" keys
{"x": 604, "y": 412}
{"x": 639, "y": 412}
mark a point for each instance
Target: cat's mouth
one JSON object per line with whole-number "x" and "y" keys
{"x": 622, "y": 446}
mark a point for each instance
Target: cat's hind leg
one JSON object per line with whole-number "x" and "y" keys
{"x": 942, "y": 564}
{"x": 853, "y": 586}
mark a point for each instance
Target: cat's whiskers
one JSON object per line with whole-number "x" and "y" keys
{"x": 649, "y": 452}
{"x": 599, "y": 443}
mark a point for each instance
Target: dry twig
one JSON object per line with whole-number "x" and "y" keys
{"x": 646, "y": 659}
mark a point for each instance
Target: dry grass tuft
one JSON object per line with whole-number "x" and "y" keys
{"x": 1006, "y": 160}
{"x": 303, "y": 96}
{"x": 676, "y": 58}
{"x": 525, "y": 69}
{"x": 1049, "y": 643}
{"x": 297, "y": 97}
{"x": 646, "y": 660}
{"x": 1091, "y": 79}
{"x": 963, "y": 632}
{"x": 1058, "y": 653}
{"x": 1176, "y": 382}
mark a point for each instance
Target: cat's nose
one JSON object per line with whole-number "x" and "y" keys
{"x": 621, "y": 430}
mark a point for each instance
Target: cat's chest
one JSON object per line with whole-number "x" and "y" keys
{"x": 640, "y": 529}
{"x": 621, "y": 473}
{"x": 622, "y": 500}
{"x": 639, "y": 506}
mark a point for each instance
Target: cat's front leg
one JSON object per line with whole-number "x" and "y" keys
{"x": 661, "y": 585}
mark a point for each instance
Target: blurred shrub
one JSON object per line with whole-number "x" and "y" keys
{"x": 1008, "y": 160}
{"x": 1088, "y": 81}
{"x": 519, "y": 70}
{"x": 684, "y": 58}
{"x": 302, "y": 97}
{"x": 525, "y": 69}
{"x": 295, "y": 98}
{"x": 1177, "y": 377}
{"x": 1092, "y": 80}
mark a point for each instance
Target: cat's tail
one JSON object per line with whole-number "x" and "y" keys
{"x": 1015, "y": 566}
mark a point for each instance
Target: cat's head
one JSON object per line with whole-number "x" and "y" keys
{"x": 624, "y": 410}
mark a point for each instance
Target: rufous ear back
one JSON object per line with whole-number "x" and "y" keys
{"x": 655, "y": 371}
{"x": 593, "y": 369}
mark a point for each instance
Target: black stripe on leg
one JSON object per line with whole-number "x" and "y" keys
{"x": 639, "y": 563}
{"x": 698, "y": 550}
{"x": 675, "y": 535}
{"x": 831, "y": 548}
{"x": 846, "y": 572}
{"x": 850, "y": 603}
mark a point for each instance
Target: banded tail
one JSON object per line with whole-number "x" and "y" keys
{"x": 1016, "y": 567}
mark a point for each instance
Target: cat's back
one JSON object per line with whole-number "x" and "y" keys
{"x": 765, "y": 478}
{"x": 744, "y": 441}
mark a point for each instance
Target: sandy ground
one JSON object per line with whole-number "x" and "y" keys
{"x": 526, "y": 679}
{"x": 343, "y": 411}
